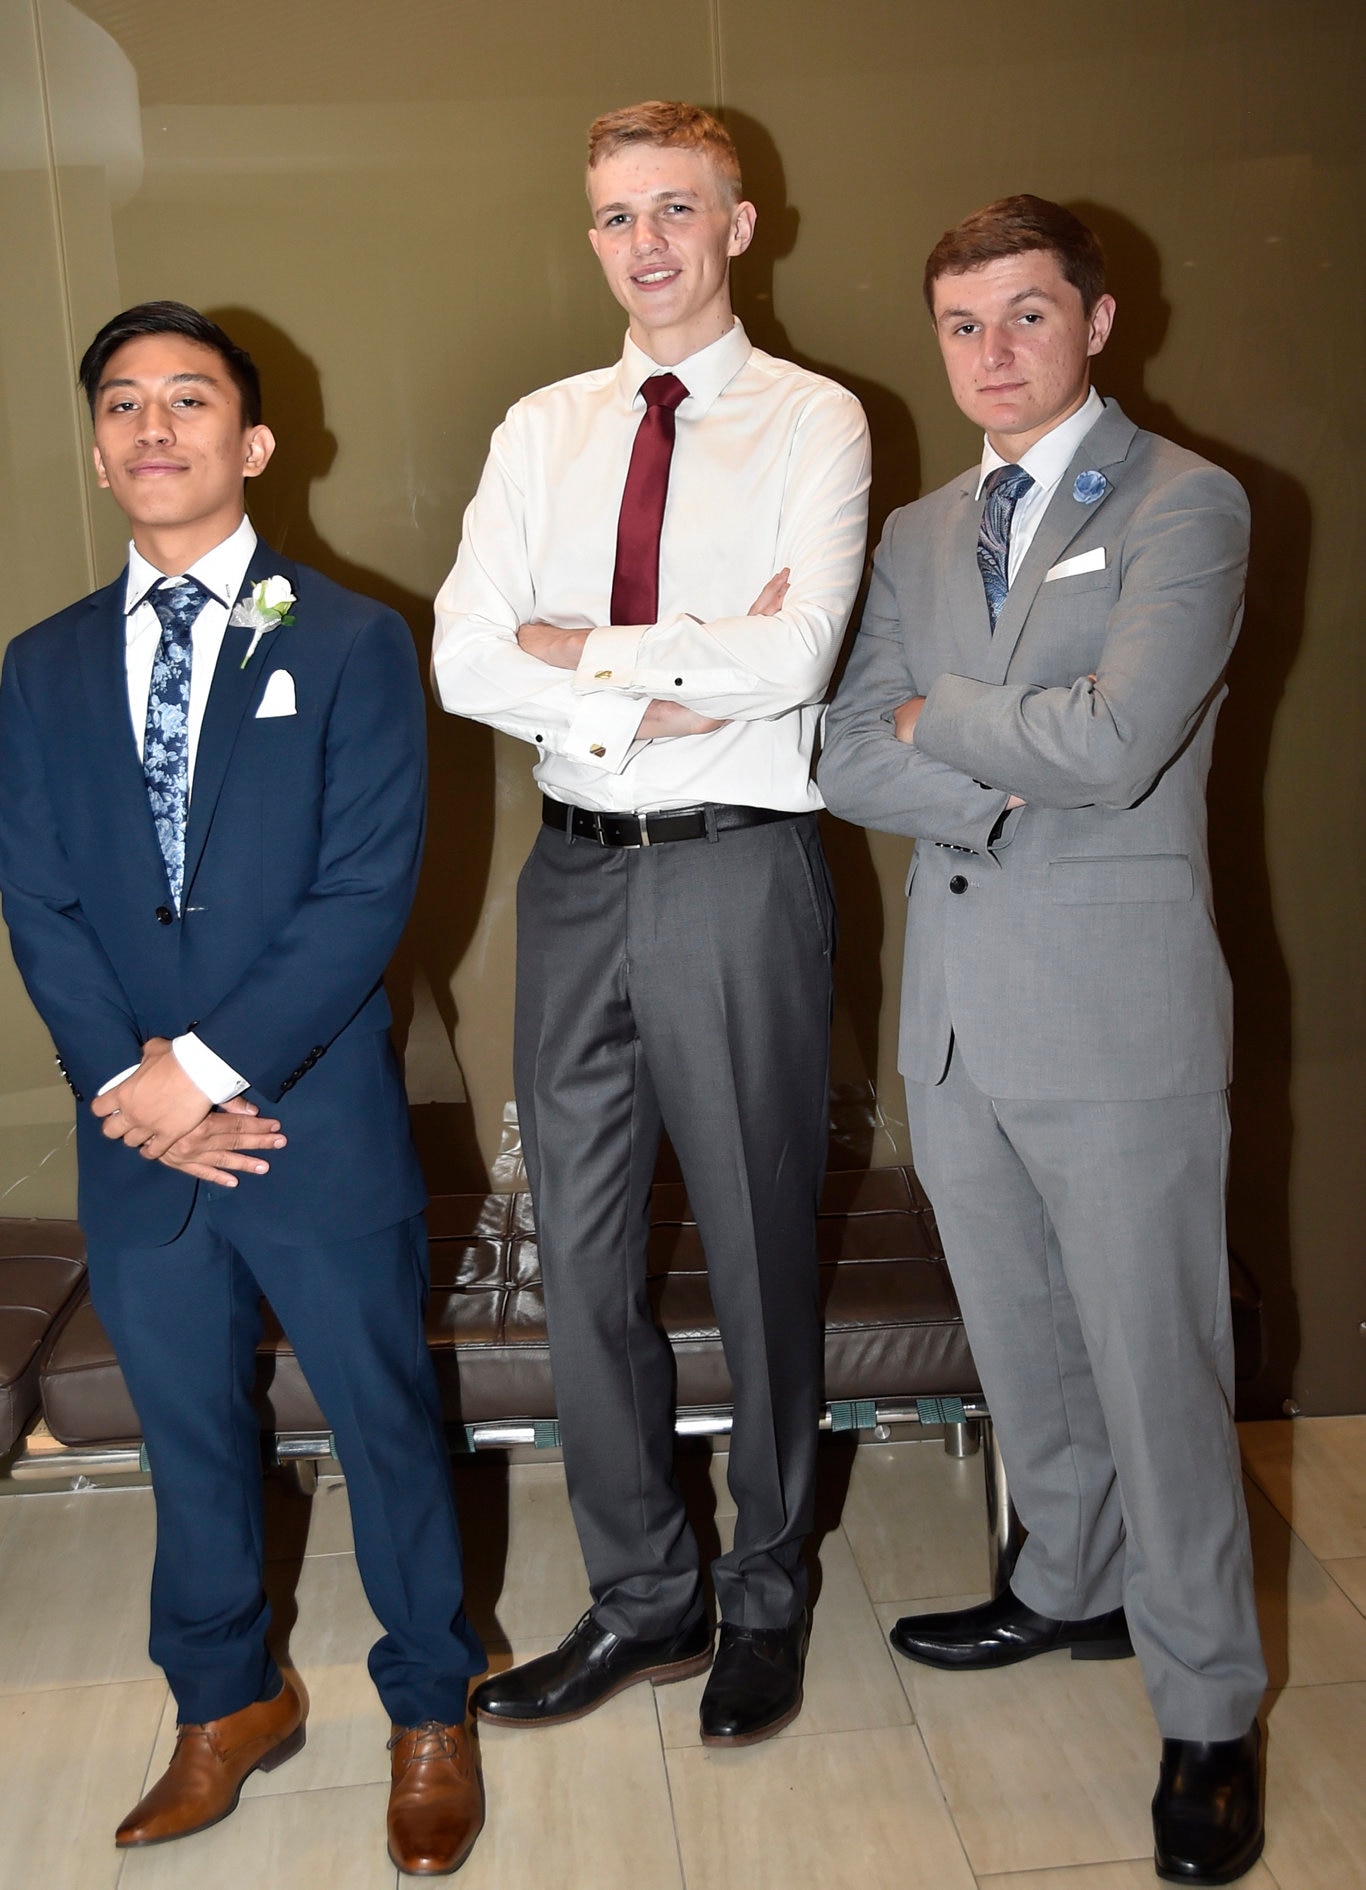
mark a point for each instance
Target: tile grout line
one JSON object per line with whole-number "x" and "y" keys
{"x": 669, "y": 1788}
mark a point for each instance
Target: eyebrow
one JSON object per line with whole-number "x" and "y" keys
{"x": 1022, "y": 295}
{"x": 171, "y": 380}
{"x": 656, "y": 196}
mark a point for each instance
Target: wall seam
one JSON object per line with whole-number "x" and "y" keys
{"x": 64, "y": 277}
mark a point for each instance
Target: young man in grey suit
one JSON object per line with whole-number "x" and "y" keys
{"x": 1032, "y": 695}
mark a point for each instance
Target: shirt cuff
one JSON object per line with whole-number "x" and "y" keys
{"x": 218, "y": 1080}
{"x": 608, "y": 658}
{"x": 114, "y": 1081}
{"x": 603, "y": 733}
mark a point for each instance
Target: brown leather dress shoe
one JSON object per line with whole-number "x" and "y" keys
{"x": 209, "y": 1766}
{"x": 436, "y": 1798}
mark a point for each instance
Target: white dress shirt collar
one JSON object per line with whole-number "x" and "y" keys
{"x": 705, "y": 374}
{"x": 1048, "y": 459}
{"x": 221, "y": 571}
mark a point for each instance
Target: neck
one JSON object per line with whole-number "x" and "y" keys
{"x": 666, "y": 347}
{"x": 1014, "y": 446}
{"x": 174, "y": 548}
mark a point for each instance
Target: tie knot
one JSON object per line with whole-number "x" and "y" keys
{"x": 177, "y": 603}
{"x": 663, "y": 390}
{"x": 1009, "y": 481}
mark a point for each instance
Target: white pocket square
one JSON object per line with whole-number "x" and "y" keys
{"x": 1073, "y": 567}
{"x": 278, "y": 697}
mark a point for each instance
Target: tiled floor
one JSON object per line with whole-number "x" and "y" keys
{"x": 895, "y": 1777}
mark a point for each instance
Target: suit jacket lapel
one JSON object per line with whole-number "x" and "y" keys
{"x": 1106, "y": 445}
{"x": 234, "y": 684}
{"x": 101, "y": 639}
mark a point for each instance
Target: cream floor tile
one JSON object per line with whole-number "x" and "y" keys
{"x": 74, "y": 1576}
{"x": 1135, "y": 1874}
{"x": 833, "y": 1811}
{"x": 571, "y": 1807}
{"x": 1047, "y": 1763}
{"x": 1350, "y": 1576}
{"x": 916, "y": 1521}
{"x": 720, "y": 1466}
{"x": 850, "y": 1682}
{"x": 1316, "y": 1788}
{"x": 540, "y": 1589}
{"x": 1314, "y": 1471}
{"x": 307, "y": 1525}
{"x": 1311, "y": 1632}
{"x": 301, "y": 1841}
{"x": 71, "y": 1761}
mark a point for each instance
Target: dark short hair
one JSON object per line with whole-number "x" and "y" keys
{"x": 1011, "y": 226}
{"x": 172, "y": 318}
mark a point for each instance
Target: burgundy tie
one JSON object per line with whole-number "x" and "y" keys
{"x": 635, "y": 580}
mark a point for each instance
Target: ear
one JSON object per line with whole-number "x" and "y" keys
{"x": 259, "y": 444}
{"x": 101, "y": 475}
{"x": 1102, "y": 320}
{"x": 593, "y": 239}
{"x": 742, "y": 222}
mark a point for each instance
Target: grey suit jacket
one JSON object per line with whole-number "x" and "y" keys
{"x": 1073, "y": 956}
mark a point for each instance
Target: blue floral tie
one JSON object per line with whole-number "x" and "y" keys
{"x": 1003, "y": 489}
{"x": 166, "y": 745}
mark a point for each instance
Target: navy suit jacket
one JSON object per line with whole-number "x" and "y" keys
{"x": 302, "y": 849}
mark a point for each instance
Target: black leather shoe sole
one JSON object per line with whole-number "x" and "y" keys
{"x": 661, "y": 1676}
{"x": 981, "y": 1659}
{"x": 1229, "y": 1874}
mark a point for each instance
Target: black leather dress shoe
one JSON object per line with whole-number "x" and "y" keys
{"x": 1207, "y": 1815}
{"x": 1000, "y": 1632}
{"x": 755, "y": 1688}
{"x": 589, "y": 1666}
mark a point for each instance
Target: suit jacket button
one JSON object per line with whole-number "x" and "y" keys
{"x": 164, "y": 915}
{"x": 958, "y": 884}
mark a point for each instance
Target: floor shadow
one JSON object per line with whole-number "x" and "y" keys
{"x": 1273, "y": 627}
{"x": 896, "y": 480}
{"x": 455, "y": 871}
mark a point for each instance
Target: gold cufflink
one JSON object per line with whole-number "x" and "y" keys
{"x": 602, "y": 675}
{"x": 596, "y": 748}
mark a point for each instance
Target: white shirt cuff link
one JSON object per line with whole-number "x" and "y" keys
{"x": 603, "y": 731}
{"x": 218, "y": 1080}
{"x": 608, "y": 658}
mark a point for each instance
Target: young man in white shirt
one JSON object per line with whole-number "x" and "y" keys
{"x": 675, "y": 919}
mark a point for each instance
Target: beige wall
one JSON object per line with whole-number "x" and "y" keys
{"x": 384, "y": 204}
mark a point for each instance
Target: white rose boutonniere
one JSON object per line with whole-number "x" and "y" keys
{"x": 267, "y": 607}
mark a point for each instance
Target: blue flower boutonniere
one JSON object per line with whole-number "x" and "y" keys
{"x": 1089, "y": 486}
{"x": 266, "y": 608}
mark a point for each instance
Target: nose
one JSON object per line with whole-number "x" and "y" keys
{"x": 996, "y": 348}
{"x": 646, "y": 235}
{"x": 154, "y": 424}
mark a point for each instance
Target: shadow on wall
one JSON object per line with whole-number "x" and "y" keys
{"x": 896, "y": 480}
{"x": 455, "y": 868}
{"x": 1259, "y": 1179}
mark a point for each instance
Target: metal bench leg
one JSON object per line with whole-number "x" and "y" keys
{"x": 963, "y": 1440}
{"x": 1004, "y": 1529}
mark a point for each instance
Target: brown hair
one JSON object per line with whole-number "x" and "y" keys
{"x": 1011, "y": 226}
{"x": 672, "y": 124}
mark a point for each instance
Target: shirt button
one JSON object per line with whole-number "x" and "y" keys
{"x": 958, "y": 884}
{"x": 678, "y": 682}
{"x": 596, "y": 748}
{"x": 164, "y": 915}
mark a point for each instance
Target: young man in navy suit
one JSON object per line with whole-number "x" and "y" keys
{"x": 212, "y": 793}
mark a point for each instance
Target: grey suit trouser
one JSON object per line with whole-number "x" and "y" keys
{"x": 1086, "y": 1244}
{"x": 685, "y": 985}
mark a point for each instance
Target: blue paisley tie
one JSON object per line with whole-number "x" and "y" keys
{"x": 1003, "y": 489}
{"x": 166, "y": 745}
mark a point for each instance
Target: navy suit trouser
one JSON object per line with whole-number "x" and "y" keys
{"x": 184, "y": 1319}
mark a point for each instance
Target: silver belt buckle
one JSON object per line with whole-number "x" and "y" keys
{"x": 644, "y": 820}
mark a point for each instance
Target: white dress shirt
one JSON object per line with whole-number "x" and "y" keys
{"x": 770, "y": 469}
{"x": 221, "y": 572}
{"x": 1045, "y": 462}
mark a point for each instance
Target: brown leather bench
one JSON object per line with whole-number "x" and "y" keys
{"x": 42, "y": 1267}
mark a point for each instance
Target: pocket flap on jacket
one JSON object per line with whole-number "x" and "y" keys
{"x": 1122, "y": 879}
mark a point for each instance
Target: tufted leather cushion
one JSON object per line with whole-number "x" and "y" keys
{"x": 42, "y": 1265}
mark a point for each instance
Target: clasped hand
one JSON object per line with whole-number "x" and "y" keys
{"x": 663, "y": 718}
{"x": 167, "y": 1118}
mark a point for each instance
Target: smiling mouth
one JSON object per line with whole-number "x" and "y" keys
{"x": 651, "y": 278}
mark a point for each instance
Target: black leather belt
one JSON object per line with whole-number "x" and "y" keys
{"x": 652, "y": 830}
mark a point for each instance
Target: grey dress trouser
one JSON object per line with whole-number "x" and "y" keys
{"x": 687, "y": 986}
